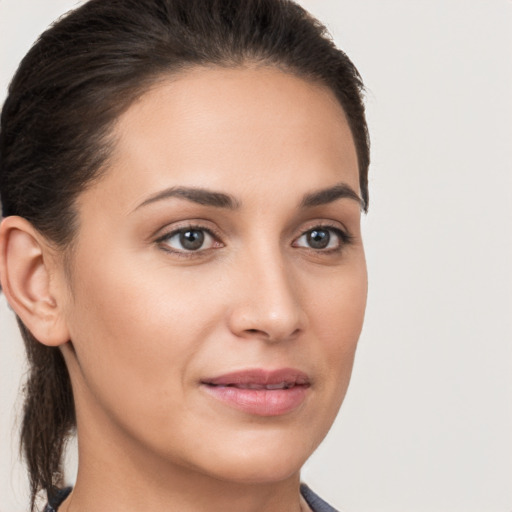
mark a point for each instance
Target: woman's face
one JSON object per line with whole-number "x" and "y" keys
{"x": 218, "y": 278}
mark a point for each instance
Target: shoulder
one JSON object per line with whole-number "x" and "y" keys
{"x": 314, "y": 501}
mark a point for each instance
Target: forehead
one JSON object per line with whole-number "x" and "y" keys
{"x": 231, "y": 128}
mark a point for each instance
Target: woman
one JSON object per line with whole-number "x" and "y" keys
{"x": 182, "y": 183}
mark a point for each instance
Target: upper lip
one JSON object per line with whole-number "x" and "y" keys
{"x": 261, "y": 378}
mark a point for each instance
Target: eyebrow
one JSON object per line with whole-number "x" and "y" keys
{"x": 221, "y": 200}
{"x": 329, "y": 195}
{"x": 196, "y": 195}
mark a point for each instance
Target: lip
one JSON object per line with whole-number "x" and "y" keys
{"x": 260, "y": 392}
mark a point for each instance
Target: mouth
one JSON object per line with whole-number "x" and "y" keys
{"x": 280, "y": 385}
{"x": 260, "y": 392}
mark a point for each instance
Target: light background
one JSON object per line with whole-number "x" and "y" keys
{"x": 427, "y": 423}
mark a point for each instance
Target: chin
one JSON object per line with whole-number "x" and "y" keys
{"x": 260, "y": 470}
{"x": 262, "y": 457}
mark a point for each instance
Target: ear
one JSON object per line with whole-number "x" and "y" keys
{"x": 26, "y": 261}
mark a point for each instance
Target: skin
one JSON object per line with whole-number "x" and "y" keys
{"x": 149, "y": 320}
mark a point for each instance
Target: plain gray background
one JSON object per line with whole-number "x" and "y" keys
{"x": 427, "y": 423}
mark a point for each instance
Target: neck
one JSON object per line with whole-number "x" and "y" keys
{"x": 130, "y": 497}
{"x": 113, "y": 478}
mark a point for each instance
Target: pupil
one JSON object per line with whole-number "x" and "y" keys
{"x": 318, "y": 239}
{"x": 192, "y": 239}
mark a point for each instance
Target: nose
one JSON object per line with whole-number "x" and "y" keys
{"x": 267, "y": 303}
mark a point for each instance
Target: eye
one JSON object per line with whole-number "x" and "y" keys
{"x": 323, "y": 238}
{"x": 189, "y": 239}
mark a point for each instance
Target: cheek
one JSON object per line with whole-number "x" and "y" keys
{"x": 338, "y": 310}
{"x": 133, "y": 332}
{"x": 337, "y": 318}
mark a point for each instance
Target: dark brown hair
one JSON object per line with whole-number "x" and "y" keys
{"x": 73, "y": 84}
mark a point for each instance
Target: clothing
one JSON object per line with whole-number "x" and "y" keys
{"x": 54, "y": 503}
{"x": 316, "y": 503}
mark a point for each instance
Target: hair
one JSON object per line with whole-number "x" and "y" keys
{"x": 76, "y": 80}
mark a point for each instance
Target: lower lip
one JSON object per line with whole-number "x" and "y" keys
{"x": 260, "y": 402}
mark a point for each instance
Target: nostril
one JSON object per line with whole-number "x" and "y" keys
{"x": 271, "y": 335}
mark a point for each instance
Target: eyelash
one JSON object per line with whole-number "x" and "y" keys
{"x": 344, "y": 238}
{"x": 184, "y": 253}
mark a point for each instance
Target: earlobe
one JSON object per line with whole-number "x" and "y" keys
{"x": 26, "y": 281}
